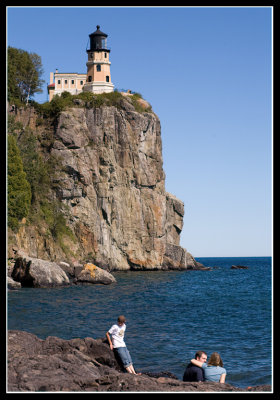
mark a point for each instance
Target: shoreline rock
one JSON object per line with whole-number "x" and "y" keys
{"x": 34, "y": 272}
{"x": 13, "y": 285}
{"x": 93, "y": 274}
{"x": 26, "y": 271}
{"x": 87, "y": 365}
{"x": 37, "y": 273}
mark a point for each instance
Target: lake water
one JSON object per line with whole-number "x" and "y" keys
{"x": 170, "y": 315}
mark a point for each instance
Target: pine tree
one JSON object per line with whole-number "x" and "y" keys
{"x": 19, "y": 192}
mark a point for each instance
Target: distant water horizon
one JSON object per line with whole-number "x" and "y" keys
{"x": 232, "y": 257}
{"x": 170, "y": 315}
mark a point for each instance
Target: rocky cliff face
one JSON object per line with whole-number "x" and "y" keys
{"x": 112, "y": 181}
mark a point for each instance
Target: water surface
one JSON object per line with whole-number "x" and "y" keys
{"x": 170, "y": 315}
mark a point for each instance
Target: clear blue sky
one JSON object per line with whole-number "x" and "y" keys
{"x": 207, "y": 73}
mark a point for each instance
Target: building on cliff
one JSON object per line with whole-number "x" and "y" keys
{"x": 98, "y": 76}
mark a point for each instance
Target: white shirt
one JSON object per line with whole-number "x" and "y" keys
{"x": 117, "y": 333}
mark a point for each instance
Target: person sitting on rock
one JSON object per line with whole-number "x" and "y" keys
{"x": 194, "y": 373}
{"x": 118, "y": 345}
{"x": 213, "y": 371}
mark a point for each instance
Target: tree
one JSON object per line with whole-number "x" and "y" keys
{"x": 24, "y": 74}
{"x": 37, "y": 170}
{"x": 19, "y": 192}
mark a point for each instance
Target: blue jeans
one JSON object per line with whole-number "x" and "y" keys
{"x": 124, "y": 356}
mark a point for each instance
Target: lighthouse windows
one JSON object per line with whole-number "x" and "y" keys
{"x": 98, "y": 67}
{"x": 107, "y": 78}
{"x": 104, "y": 43}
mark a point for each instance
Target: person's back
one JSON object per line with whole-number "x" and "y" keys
{"x": 193, "y": 374}
{"x": 213, "y": 373}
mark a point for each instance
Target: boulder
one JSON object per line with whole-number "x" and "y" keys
{"x": 34, "y": 272}
{"x": 238, "y": 267}
{"x": 93, "y": 274}
{"x": 87, "y": 365}
{"x": 67, "y": 268}
{"x": 13, "y": 285}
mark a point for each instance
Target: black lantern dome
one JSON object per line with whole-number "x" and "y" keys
{"x": 98, "y": 41}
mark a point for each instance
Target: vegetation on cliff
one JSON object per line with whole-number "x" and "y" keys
{"x": 19, "y": 191}
{"x": 31, "y": 177}
{"x": 89, "y": 100}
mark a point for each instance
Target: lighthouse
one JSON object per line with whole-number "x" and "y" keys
{"x": 98, "y": 65}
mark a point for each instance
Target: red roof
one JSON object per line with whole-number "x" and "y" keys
{"x": 51, "y": 85}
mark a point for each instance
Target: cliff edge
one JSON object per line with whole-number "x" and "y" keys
{"x": 111, "y": 182}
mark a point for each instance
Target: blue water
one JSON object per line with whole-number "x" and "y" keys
{"x": 170, "y": 315}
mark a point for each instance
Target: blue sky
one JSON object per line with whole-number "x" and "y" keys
{"x": 207, "y": 72}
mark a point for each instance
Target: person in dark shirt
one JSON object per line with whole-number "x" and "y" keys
{"x": 194, "y": 373}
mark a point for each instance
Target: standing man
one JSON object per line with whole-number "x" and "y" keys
{"x": 116, "y": 332}
{"x": 194, "y": 373}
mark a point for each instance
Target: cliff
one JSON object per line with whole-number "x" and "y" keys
{"x": 111, "y": 182}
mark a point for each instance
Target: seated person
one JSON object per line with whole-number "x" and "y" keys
{"x": 214, "y": 371}
{"x": 194, "y": 373}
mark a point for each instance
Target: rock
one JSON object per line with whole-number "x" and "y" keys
{"x": 93, "y": 274}
{"x": 79, "y": 102}
{"x": 77, "y": 270}
{"x": 10, "y": 268}
{"x": 86, "y": 365}
{"x": 174, "y": 257}
{"x": 67, "y": 268}
{"x": 192, "y": 264}
{"x": 238, "y": 267}
{"x": 13, "y": 285}
{"x": 110, "y": 177}
{"x": 34, "y": 272}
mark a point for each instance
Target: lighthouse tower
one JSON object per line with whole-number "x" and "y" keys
{"x": 98, "y": 65}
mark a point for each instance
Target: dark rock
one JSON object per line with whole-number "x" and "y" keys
{"x": 238, "y": 267}
{"x": 67, "y": 268}
{"x": 87, "y": 365}
{"x": 162, "y": 374}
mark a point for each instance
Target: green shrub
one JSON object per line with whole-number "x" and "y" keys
{"x": 86, "y": 96}
{"x": 19, "y": 191}
{"x": 60, "y": 103}
{"x": 14, "y": 127}
{"x": 137, "y": 104}
{"x": 54, "y": 107}
{"x": 51, "y": 212}
{"x": 37, "y": 170}
{"x": 98, "y": 100}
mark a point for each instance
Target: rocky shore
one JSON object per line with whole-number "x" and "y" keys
{"x": 87, "y": 365}
{"x": 26, "y": 271}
